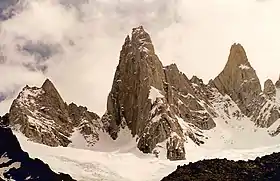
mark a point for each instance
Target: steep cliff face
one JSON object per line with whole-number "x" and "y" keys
{"x": 158, "y": 104}
{"x": 42, "y": 116}
{"x": 238, "y": 79}
{"x": 139, "y": 69}
{"x": 15, "y": 164}
{"x": 188, "y": 98}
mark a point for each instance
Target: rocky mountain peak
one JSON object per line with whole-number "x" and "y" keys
{"x": 142, "y": 40}
{"x": 42, "y": 116}
{"x": 196, "y": 80}
{"x": 158, "y": 104}
{"x": 172, "y": 66}
{"x": 139, "y": 68}
{"x": 238, "y": 55}
{"x": 238, "y": 60}
{"x": 238, "y": 79}
{"x": 277, "y": 84}
{"x": 269, "y": 88}
{"x": 48, "y": 85}
{"x": 140, "y": 35}
{"x": 49, "y": 89}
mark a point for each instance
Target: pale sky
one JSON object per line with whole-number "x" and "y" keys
{"x": 194, "y": 34}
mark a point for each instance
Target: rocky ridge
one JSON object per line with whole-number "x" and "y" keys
{"x": 43, "y": 117}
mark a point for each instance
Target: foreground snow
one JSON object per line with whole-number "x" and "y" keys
{"x": 120, "y": 160}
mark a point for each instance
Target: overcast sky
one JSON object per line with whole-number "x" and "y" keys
{"x": 86, "y": 37}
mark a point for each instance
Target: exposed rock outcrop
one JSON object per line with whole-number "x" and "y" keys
{"x": 269, "y": 88}
{"x": 265, "y": 168}
{"x": 42, "y": 116}
{"x": 158, "y": 104}
{"x": 189, "y": 99}
{"x": 15, "y": 164}
{"x": 266, "y": 106}
{"x": 85, "y": 122}
{"x": 277, "y": 84}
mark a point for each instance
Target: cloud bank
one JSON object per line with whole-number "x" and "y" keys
{"x": 77, "y": 43}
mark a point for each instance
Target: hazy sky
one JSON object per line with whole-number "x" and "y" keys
{"x": 87, "y": 36}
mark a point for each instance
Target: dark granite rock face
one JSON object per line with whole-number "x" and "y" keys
{"x": 266, "y": 168}
{"x": 17, "y": 165}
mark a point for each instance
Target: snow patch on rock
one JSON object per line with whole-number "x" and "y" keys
{"x": 154, "y": 94}
{"x": 244, "y": 67}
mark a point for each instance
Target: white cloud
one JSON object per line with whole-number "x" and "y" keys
{"x": 195, "y": 34}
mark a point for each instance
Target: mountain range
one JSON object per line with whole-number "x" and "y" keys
{"x": 162, "y": 108}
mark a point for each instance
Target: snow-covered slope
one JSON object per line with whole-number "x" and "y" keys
{"x": 234, "y": 130}
{"x": 234, "y": 137}
{"x": 122, "y": 160}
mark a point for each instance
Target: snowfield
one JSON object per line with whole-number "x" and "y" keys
{"x": 120, "y": 160}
